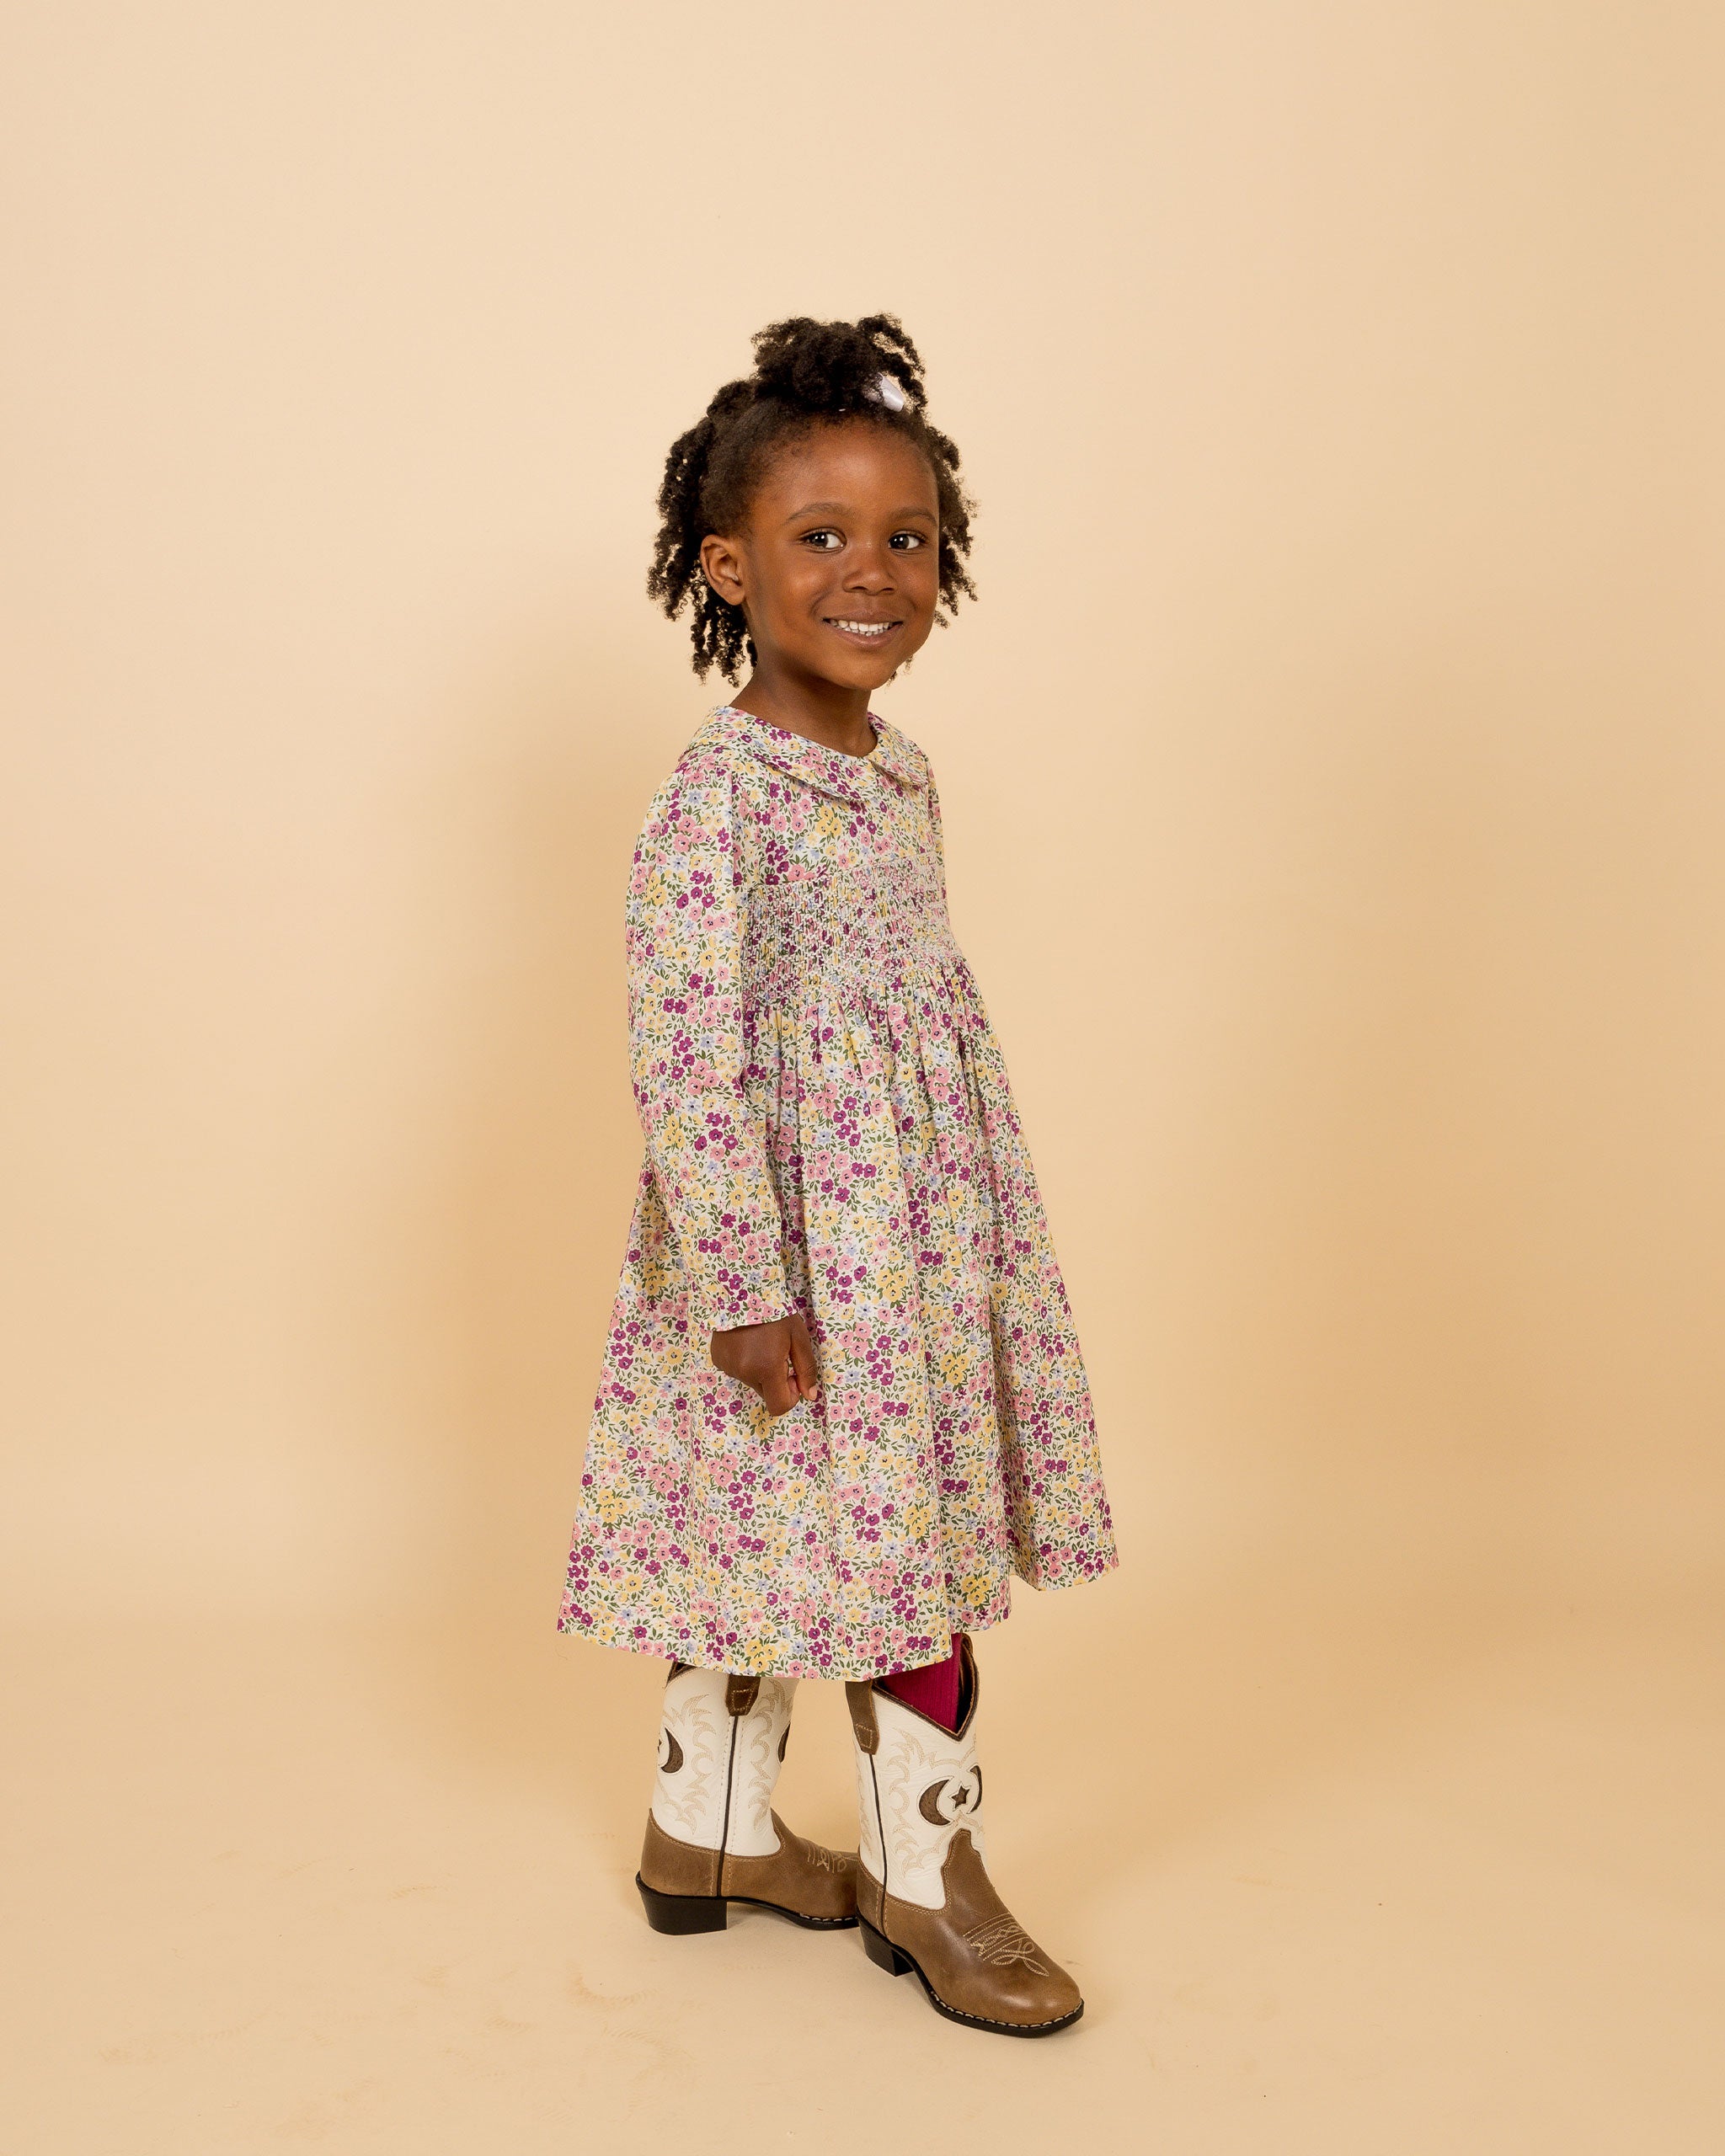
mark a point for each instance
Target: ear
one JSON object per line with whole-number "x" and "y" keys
{"x": 722, "y": 563}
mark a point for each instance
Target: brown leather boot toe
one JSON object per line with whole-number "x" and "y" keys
{"x": 976, "y": 1962}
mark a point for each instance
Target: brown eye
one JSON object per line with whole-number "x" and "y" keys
{"x": 819, "y": 540}
{"x": 905, "y": 541}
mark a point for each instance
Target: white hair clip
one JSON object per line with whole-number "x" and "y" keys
{"x": 887, "y": 389}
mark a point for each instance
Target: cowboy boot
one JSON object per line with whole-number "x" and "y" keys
{"x": 712, "y": 1836}
{"x": 925, "y": 1901}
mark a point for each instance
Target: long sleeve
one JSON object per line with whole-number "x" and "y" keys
{"x": 708, "y": 1150}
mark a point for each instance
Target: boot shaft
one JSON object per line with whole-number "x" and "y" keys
{"x": 721, "y": 1743}
{"x": 917, "y": 1785}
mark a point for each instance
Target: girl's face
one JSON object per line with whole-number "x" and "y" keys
{"x": 838, "y": 565}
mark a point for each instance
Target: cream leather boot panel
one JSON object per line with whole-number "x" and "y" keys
{"x": 760, "y": 1733}
{"x": 694, "y": 1753}
{"x": 696, "y": 1758}
{"x": 930, "y": 1784}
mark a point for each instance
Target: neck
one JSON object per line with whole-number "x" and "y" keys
{"x": 825, "y": 712}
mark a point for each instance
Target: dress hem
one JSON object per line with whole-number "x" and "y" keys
{"x": 628, "y": 1639}
{"x": 848, "y": 1670}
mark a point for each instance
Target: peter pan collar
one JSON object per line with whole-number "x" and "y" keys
{"x": 812, "y": 761}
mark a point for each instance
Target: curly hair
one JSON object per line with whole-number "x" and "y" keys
{"x": 807, "y": 374}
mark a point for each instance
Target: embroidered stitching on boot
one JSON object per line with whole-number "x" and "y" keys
{"x": 999, "y": 1941}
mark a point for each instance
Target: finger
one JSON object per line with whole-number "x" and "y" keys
{"x": 807, "y": 1371}
{"x": 780, "y": 1393}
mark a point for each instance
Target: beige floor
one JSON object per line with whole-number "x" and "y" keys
{"x": 1432, "y": 1868}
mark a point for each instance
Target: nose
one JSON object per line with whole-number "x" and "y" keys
{"x": 870, "y": 569}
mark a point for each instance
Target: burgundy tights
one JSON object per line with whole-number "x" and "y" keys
{"x": 933, "y": 1690}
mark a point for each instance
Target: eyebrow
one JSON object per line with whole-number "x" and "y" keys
{"x": 840, "y": 509}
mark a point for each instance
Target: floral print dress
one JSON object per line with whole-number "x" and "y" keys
{"x": 829, "y": 1129}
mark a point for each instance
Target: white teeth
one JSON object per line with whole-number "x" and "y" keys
{"x": 866, "y": 629}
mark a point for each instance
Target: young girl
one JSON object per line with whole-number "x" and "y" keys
{"x": 842, "y": 1398}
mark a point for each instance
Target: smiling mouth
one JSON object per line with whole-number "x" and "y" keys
{"x": 872, "y": 630}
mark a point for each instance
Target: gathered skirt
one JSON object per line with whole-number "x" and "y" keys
{"x": 952, "y": 1443}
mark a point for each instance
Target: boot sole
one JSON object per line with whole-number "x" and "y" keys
{"x": 682, "y": 1915}
{"x": 897, "y": 1962}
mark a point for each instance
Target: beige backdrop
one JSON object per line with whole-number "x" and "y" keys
{"x": 1332, "y": 775}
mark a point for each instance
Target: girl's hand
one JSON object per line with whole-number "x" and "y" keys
{"x": 776, "y": 1359}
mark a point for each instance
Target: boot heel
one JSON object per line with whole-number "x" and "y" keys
{"x": 681, "y": 1913}
{"x": 881, "y": 1950}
